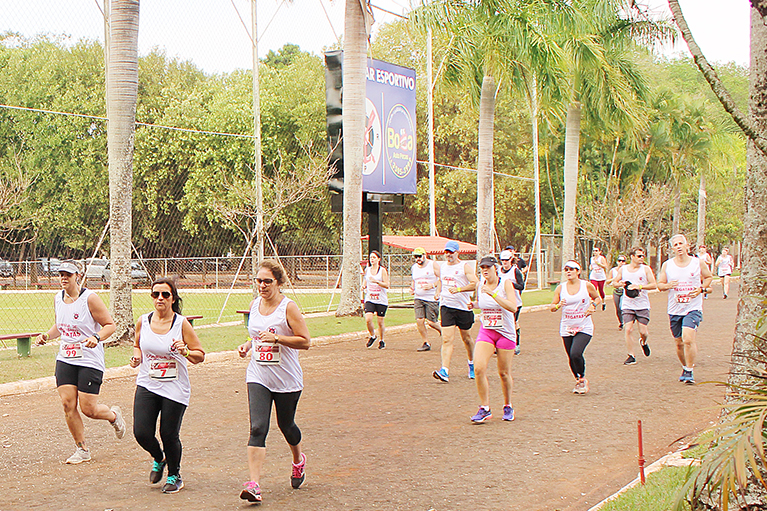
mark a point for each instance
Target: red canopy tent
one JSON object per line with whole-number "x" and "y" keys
{"x": 434, "y": 245}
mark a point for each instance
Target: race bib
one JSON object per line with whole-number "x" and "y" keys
{"x": 375, "y": 296}
{"x": 682, "y": 298}
{"x": 267, "y": 353}
{"x": 72, "y": 350}
{"x": 423, "y": 283}
{"x": 492, "y": 319}
{"x": 163, "y": 369}
{"x": 572, "y": 330}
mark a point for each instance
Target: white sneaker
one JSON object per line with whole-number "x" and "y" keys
{"x": 119, "y": 423}
{"x": 79, "y": 456}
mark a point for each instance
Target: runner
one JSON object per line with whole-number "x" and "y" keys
{"x": 375, "y": 286}
{"x": 510, "y": 270}
{"x": 685, "y": 278}
{"x": 598, "y": 272}
{"x": 706, "y": 257}
{"x": 83, "y": 322}
{"x": 617, "y": 290}
{"x": 425, "y": 274}
{"x": 579, "y": 300}
{"x": 724, "y": 267}
{"x": 457, "y": 281}
{"x": 164, "y": 341}
{"x": 497, "y": 301}
{"x": 276, "y": 332}
{"x": 635, "y": 278}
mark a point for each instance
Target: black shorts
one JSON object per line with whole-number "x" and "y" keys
{"x": 460, "y": 318}
{"x": 86, "y": 379}
{"x": 425, "y": 309}
{"x": 376, "y": 308}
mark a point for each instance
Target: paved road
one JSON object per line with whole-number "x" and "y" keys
{"x": 381, "y": 433}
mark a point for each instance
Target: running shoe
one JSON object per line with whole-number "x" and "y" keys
{"x": 371, "y": 342}
{"x": 119, "y": 423}
{"x": 481, "y": 416}
{"x": 577, "y": 388}
{"x": 173, "y": 484}
{"x": 604, "y": 306}
{"x": 517, "y": 350}
{"x": 441, "y": 375}
{"x": 645, "y": 349}
{"x": 425, "y": 347}
{"x": 155, "y": 475}
{"x": 687, "y": 377}
{"x": 79, "y": 456}
{"x": 381, "y": 345}
{"x": 298, "y": 476}
{"x": 471, "y": 370}
{"x": 252, "y": 492}
{"x": 725, "y": 297}
{"x": 630, "y": 361}
{"x": 584, "y": 386}
{"x": 508, "y": 413}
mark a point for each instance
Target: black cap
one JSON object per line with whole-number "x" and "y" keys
{"x": 487, "y": 261}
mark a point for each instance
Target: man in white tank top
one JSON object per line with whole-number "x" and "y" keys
{"x": 457, "y": 282}
{"x": 635, "y": 279}
{"x": 425, "y": 274}
{"x": 685, "y": 278}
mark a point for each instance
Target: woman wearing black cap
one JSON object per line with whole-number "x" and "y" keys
{"x": 83, "y": 322}
{"x": 497, "y": 301}
{"x": 578, "y": 300}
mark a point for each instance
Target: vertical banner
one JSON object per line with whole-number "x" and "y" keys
{"x": 390, "y": 130}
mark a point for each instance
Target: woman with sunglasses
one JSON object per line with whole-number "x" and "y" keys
{"x": 578, "y": 300}
{"x": 165, "y": 341}
{"x": 618, "y": 291}
{"x": 83, "y": 322}
{"x": 375, "y": 286}
{"x": 276, "y": 332}
{"x": 497, "y": 335}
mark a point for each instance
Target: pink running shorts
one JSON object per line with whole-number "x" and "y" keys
{"x": 496, "y": 339}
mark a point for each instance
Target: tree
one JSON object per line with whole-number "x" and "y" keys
{"x": 122, "y": 94}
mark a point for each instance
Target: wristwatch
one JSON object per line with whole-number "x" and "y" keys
{"x": 98, "y": 337}
{"x": 276, "y": 339}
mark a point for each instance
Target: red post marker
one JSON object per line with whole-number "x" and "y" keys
{"x": 641, "y": 452}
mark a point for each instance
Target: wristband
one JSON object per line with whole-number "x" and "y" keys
{"x": 187, "y": 353}
{"x": 594, "y": 304}
{"x": 494, "y": 294}
{"x": 640, "y": 286}
{"x": 98, "y": 337}
{"x": 46, "y": 337}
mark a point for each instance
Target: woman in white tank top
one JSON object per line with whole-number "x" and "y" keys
{"x": 83, "y": 322}
{"x": 165, "y": 341}
{"x": 277, "y": 331}
{"x": 578, "y": 300}
{"x": 375, "y": 285}
{"x": 724, "y": 265}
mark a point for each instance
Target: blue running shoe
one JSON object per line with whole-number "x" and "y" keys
{"x": 441, "y": 375}
{"x": 156, "y": 474}
{"x": 471, "y": 370}
{"x": 173, "y": 484}
{"x": 508, "y": 413}
{"x": 687, "y": 377}
{"x": 482, "y": 416}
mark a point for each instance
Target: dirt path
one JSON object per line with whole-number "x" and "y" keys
{"x": 381, "y": 433}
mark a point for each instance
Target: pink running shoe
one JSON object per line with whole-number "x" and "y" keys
{"x": 252, "y": 492}
{"x": 298, "y": 476}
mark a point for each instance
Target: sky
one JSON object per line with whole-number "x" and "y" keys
{"x": 211, "y": 33}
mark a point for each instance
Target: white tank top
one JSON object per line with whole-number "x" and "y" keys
{"x": 642, "y": 301}
{"x": 725, "y": 265}
{"x": 679, "y": 303}
{"x": 495, "y": 317}
{"x": 75, "y": 324}
{"x": 162, "y": 371}
{"x": 374, "y": 293}
{"x": 424, "y": 276}
{"x": 574, "y": 318}
{"x": 286, "y": 376}
{"x": 453, "y": 275}
{"x": 597, "y": 272}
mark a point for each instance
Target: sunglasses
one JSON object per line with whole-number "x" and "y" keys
{"x": 156, "y": 294}
{"x": 264, "y": 281}
{"x": 621, "y": 260}
{"x": 640, "y": 256}
{"x": 570, "y": 268}
{"x": 417, "y": 256}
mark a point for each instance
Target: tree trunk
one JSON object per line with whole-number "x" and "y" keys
{"x": 485, "y": 195}
{"x": 122, "y": 76}
{"x": 572, "y": 145}
{"x": 355, "y": 40}
{"x": 677, "y": 210}
{"x": 702, "y": 210}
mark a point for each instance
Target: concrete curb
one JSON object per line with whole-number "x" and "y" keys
{"x": 673, "y": 459}
{"x": 49, "y": 382}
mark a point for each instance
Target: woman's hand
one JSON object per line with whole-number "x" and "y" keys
{"x": 244, "y": 348}
{"x": 265, "y": 336}
{"x": 41, "y": 339}
{"x": 135, "y": 360}
{"x": 180, "y": 346}
{"x": 91, "y": 342}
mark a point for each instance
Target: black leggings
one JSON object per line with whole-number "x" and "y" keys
{"x": 285, "y": 403}
{"x": 617, "y": 301}
{"x": 516, "y": 321}
{"x": 147, "y": 406}
{"x": 574, "y": 346}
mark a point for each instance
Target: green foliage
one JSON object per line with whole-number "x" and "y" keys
{"x": 657, "y": 494}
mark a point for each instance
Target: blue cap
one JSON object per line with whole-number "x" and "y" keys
{"x": 452, "y": 246}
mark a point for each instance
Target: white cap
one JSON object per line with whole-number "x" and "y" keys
{"x": 506, "y": 254}
{"x": 571, "y": 264}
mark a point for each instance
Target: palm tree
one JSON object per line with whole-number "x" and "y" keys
{"x": 355, "y": 63}
{"x": 598, "y": 40}
{"x": 122, "y": 94}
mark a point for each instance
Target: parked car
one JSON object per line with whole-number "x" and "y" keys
{"x": 48, "y": 266}
{"x": 6, "y": 269}
{"x": 95, "y": 269}
{"x": 137, "y": 273}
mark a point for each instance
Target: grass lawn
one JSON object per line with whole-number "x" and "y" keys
{"x": 658, "y": 494}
